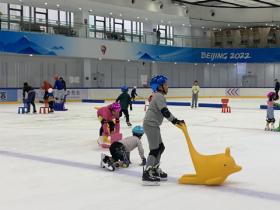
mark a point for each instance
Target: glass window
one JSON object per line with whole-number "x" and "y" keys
{"x": 127, "y": 26}
{"x": 118, "y": 28}
{"x": 15, "y": 15}
{"x": 99, "y": 25}
{"x": 43, "y": 10}
{"x": 91, "y": 21}
{"x": 32, "y": 13}
{"x": 53, "y": 16}
{"x": 118, "y": 21}
{"x": 40, "y": 18}
{"x": 72, "y": 19}
{"x": 134, "y": 27}
{"x": 100, "y": 18}
{"x": 62, "y": 18}
{"x": 26, "y": 13}
{"x": 4, "y": 8}
{"x": 15, "y": 6}
{"x": 109, "y": 24}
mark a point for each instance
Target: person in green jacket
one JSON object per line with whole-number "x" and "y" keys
{"x": 125, "y": 101}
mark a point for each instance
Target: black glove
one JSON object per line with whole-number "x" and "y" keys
{"x": 143, "y": 162}
{"x": 175, "y": 121}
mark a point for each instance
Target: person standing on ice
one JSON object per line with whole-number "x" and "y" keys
{"x": 133, "y": 93}
{"x": 157, "y": 110}
{"x": 270, "y": 120}
{"x": 31, "y": 94}
{"x": 195, "y": 91}
{"x": 125, "y": 101}
{"x": 59, "y": 93}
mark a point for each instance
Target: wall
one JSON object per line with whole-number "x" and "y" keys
{"x": 15, "y": 69}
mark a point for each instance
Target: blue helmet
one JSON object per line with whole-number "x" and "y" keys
{"x": 138, "y": 130}
{"x": 157, "y": 81}
{"x": 124, "y": 88}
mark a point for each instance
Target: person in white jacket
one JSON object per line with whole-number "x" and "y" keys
{"x": 120, "y": 151}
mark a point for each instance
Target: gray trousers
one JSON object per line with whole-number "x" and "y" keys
{"x": 154, "y": 140}
{"x": 194, "y": 99}
{"x": 59, "y": 96}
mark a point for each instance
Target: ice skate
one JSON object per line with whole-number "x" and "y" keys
{"x": 148, "y": 177}
{"x": 160, "y": 174}
{"x": 106, "y": 162}
{"x": 128, "y": 124}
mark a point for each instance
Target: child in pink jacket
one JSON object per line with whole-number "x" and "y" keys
{"x": 106, "y": 115}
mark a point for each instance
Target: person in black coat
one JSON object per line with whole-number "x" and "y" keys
{"x": 133, "y": 93}
{"x": 30, "y": 96}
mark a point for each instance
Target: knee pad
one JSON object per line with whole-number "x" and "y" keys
{"x": 161, "y": 148}
{"x": 155, "y": 152}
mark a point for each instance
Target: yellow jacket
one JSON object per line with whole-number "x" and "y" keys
{"x": 195, "y": 89}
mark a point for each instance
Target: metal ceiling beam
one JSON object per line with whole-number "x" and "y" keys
{"x": 268, "y": 3}
{"x": 236, "y": 5}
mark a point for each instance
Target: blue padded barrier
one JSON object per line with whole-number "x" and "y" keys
{"x": 210, "y": 105}
{"x": 265, "y": 107}
{"x": 93, "y": 101}
{"x": 138, "y": 102}
{"x": 178, "y": 103}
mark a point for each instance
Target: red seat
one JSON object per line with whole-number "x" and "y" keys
{"x": 44, "y": 110}
{"x": 225, "y": 106}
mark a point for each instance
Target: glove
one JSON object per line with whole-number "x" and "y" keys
{"x": 177, "y": 122}
{"x": 143, "y": 162}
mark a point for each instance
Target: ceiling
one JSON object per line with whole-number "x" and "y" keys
{"x": 230, "y": 3}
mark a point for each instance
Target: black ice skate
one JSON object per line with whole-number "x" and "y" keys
{"x": 160, "y": 174}
{"x": 148, "y": 177}
{"x": 128, "y": 124}
{"x": 106, "y": 162}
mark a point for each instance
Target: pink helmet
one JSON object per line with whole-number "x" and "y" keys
{"x": 270, "y": 94}
{"x": 115, "y": 107}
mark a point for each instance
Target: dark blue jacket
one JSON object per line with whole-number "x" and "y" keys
{"x": 58, "y": 85}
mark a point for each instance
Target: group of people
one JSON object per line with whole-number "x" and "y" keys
{"x": 29, "y": 94}
{"x": 109, "y": 117}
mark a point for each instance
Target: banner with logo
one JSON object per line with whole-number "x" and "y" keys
{"x": 57, "y": 45}
{"x": 8, "y": 95}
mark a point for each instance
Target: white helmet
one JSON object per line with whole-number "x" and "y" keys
{"x": 50, "y": 90}
{"x": 134, "y": 87}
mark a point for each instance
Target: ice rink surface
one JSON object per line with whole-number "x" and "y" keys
{"x": 51, "y": 162}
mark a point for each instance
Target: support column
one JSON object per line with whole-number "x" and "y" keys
{"x": 87, "y": 80}
{"x": 81, "y": 19}
{"x": 154, "y": 69}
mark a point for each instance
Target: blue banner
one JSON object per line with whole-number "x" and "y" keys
{"x": 8, "y": 95}
{"x": 57, "y": 45}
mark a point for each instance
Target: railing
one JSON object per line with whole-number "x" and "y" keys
{"x": 52, "y": 27}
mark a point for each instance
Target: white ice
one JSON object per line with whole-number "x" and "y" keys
{"x": 51, "y": 162}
